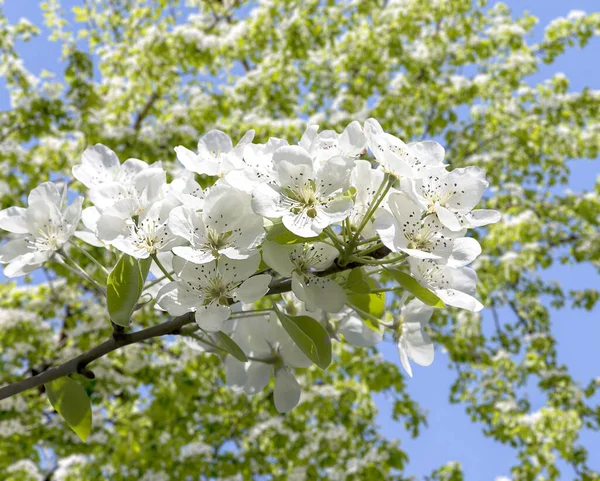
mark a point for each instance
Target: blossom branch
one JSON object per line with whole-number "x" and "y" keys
{"x": 79, "y": 364}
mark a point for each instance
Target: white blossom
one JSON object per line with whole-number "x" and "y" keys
{"x": 306, "y": 198}
{"x": 40, "y": 229}
{"x": 405, "y": 226}
{"x": 452, "y": 196}
{"x": 411, "y": 161}
{"x": 455, "y": 286}
{"x": 301, "y": 262}
{"x": 226, "y": 226}
{"x": 413, "y": 342}
{"x": 207, "y": 289}
{"x": 216, "y": 154}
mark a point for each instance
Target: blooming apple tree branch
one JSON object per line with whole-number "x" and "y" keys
{"x": 288, "y": 248}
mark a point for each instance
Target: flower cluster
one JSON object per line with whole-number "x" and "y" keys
{"x": 289, "y": 248}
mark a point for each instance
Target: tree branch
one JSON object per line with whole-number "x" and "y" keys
{"x": 79, "y": 363}
{"x": 121, "y": 339}
{"x": 145, "y": 111}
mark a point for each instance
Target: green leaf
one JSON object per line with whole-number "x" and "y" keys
{"x": 230, "y": 346}
{"x": 422, "y": 293}
{"x": 372, "y": 303}
{"x": 71, "y": 401}
{"x": 357, "y": 282}
{"x": 124, "y": 287}
{"x": 310, "y": 336}
{"x": 279, "y": 233}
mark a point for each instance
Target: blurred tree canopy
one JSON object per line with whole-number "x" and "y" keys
{"x": 143, "y": 76}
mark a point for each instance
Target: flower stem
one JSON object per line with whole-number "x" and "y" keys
{"x": 337, "y": 244}
{"x": 373, "y": 318}
{"x": 90, "y": 257}
{"x": 369, "y": 249}
{"x": 362, "y": 260}
{"x": 162, "y": 268}
{"x": 382, "y": 191}
{"x": 153, "y": 283}
{"x": 78, "y": 270}
{"x": 242, "y": 314}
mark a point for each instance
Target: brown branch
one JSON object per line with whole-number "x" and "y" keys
{"x": 120, "y": 339}
{"x": 145, "y": 111}
{"x": 79, "y": 363}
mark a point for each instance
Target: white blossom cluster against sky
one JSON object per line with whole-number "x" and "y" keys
{"x": 338, "y": 209}
{"x": 581, "y": 71}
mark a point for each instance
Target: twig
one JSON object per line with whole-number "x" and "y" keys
{"x": 79, "y": 363}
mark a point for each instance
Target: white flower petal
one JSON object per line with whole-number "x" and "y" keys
{"x": 235, "y": 373}
{"x": 353, "y": 140}
{"x": 175, "y": 300}
{"x": 464, "y": 251}
{"x": 253, "y": 289}
{"x": 277, "y": 257}
{"x": 467, "y": 186}
{"x": 197, "y": 256}
{"x": 302, "y": 225}
{"x": 292, "y": 165}
{"x": 46, "y": 192}
{"x": 448, "y": 218}
{"x": 287, "y": 391}
{"x": 215, "y": 142}
{"x": 12, "y": 249}
{"x": 324, "y": 293}
{"x": 238, "y": 270}
{"x": 13, "y": 220}
{"x": 258, "y": 376}
{"x": 308, "y": 137}
{"x": 356, "y": 332}
{"x": 420, "y": 347}
{"x": 334, "y": 175}
{"x": 481, "y": 217}
{"x": 456, "y": 298}
{"x": 109, "y": 227}
{"x": 333, "y": 212}
{"x": 403, "y": 354}
{"x": 89, "y": 238}
{"x": 417, "y": 312}
{"x": 187, "y": 224}
{"x": 268, "y": 202}
{"x": 212, "y": 316}
{"x": 99, "y": 164}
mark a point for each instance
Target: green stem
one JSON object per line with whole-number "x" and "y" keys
{"x": 153, "y": 283}
{"x": 337, "y": 244}
{"x": 78, "y": 270}
{"x": 238, "y": 315}
{"x": 382, "y": 191}
{"x": 370, "y": 316}
{"x": 90, "y": 257}
{"x": 362, "y": 260}
{"x": 369, "y": 249}
{"x": 368, "y": 241}
{"x": 162, "y": 268}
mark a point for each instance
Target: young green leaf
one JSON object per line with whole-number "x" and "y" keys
{"x": 372, "y": 303}
{"x": 357, "y": 282}
{"x": 230, "y": 346}
{"x": 124, "y": 286}
{"x": 310, "y": 336}
{"x": 71, "y": 401}
{"x": 422, "y": 293}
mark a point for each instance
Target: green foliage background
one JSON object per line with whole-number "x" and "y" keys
{"x": 145, "y": 76}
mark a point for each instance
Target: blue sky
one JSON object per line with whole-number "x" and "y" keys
{"x": 450, "y": 435}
